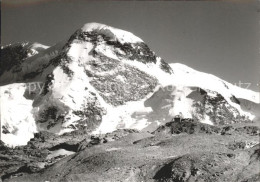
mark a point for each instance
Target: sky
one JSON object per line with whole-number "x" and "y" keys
{"x": 221, "y": 38}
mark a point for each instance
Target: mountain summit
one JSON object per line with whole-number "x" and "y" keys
{"x": 102, "y": 79}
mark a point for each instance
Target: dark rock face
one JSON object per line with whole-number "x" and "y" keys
{"x": 219, "y": 110}
{"x": 235, "y": 100}
{"x": 187, "y": 126}
{"x": 5, "y": 130}
{"x": 124, "y": 84}
{"x": 136, "y": 51}
{"x": 13, "y": 56}
{"x": 90, "y": 115}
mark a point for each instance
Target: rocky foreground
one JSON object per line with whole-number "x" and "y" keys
{"x": 180, "y": 151}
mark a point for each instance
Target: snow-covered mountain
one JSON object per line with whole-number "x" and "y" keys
{"x": 12, "y": 56}
{"x": 102, "y": 79}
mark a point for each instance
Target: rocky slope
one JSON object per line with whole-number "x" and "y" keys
{"x": 186, "y": 151}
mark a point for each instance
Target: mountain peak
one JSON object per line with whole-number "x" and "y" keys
{"x": 111, "y": 32}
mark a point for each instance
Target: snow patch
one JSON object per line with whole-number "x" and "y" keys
{"x": 16, "y": 115}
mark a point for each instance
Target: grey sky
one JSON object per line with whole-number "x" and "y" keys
{"x": 221, "y": 38}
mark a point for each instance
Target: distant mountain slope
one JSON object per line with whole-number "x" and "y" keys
{"x": 12, "y": 56}
{"x": 27, "y": 62}
{"x": 242, "y": 99}
{"x": 188, "y": 76}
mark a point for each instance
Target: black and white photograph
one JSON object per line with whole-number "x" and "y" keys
{"x": 130, "y": 91}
